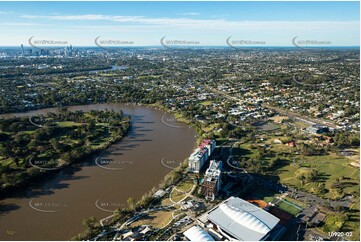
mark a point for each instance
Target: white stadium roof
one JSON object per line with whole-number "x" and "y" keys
{"x": 243, "y": 220}
{"x": 195, "y": 233}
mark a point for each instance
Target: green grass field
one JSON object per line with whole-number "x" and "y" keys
{"x": 177, "y": 196}
{"x": 269, "y": 196}
{"x": 185, "y": 186}
{"x": 330, "y": 168}
{"x": 288, "y": 208}
{"x": 244, "y": 150}
{"x": 295, "y": 202}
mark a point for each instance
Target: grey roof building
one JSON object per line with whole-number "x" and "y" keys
{"x": 238, "y": 219}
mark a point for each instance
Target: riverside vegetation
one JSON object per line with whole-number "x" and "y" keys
{"x": 31, "y": 147}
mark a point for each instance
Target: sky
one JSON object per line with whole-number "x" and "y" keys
{"x": 203, "y": 23}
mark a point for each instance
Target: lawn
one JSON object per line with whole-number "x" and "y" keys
{"x": 244, "y": 150}
{"x": 282, "y": 148}
{"x": 269, "y": 196}
{"x": 177, "y": 196}
{"x": 288, "y": 207}
{"x": 166, "y": 202}
{"x": 156, "y": 219}
{"x": 352, "y": 224}
{"x": 185, "y": 186}
{"x": 329, "y": 167}
{"x": 295, "y": 202}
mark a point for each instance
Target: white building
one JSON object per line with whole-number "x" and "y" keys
{"x": 197, "y": 159}
{"x": 200, "y": 155}
{"x": 195, "y": 233}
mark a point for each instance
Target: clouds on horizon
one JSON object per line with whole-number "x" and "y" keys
{"x": 188, "y": 25}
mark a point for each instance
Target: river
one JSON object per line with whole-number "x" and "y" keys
{"x": 54, "y": 210}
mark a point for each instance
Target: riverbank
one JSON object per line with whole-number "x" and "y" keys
{"x": 91, "y": 190}
{"x": 47, "y": 149}
{"x": 93, "y": 227}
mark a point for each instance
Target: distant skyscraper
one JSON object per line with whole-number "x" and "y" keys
{"x": 22, "y": 50}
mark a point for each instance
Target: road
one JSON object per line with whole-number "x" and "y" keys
{"x": 299, "y": 116}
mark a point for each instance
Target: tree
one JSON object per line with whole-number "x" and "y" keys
{"x": 56, "y": 144}
{"x": 307, "y": 175}
{"x": 275, "y": 162}
{"x": 90, "y": 223}
{"x": 91, "y": 125}
{"x": 16, "y": 160}
{"x": 131, "y": 203}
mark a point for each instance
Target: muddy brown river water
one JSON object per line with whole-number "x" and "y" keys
{"x": 54, "y": 210}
